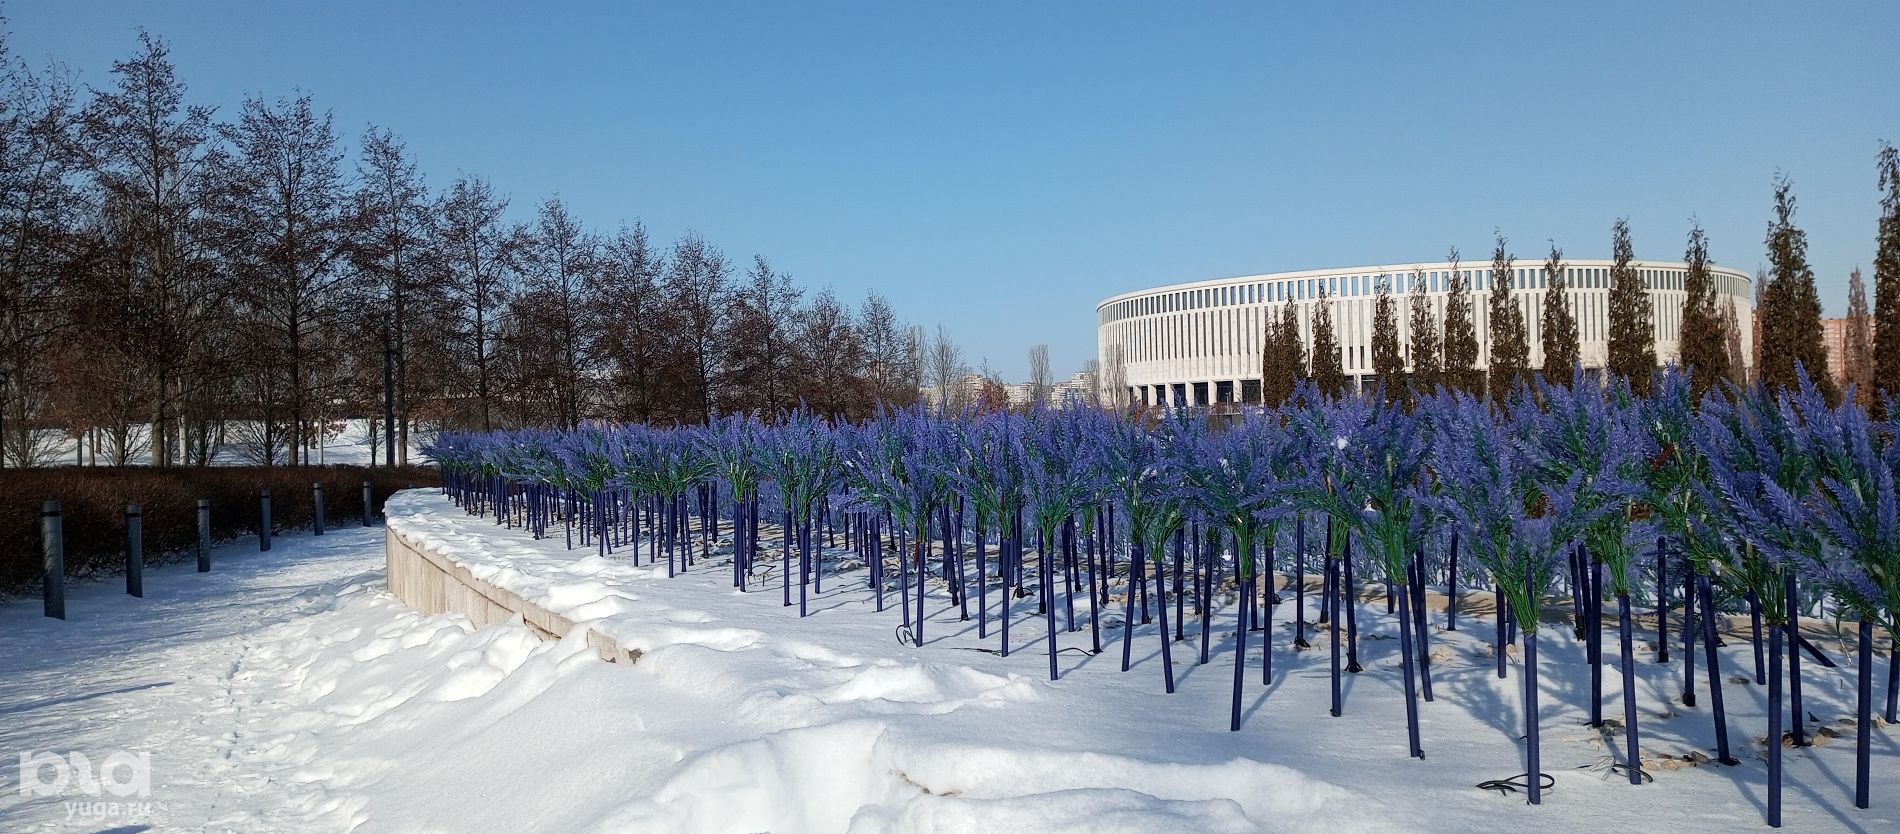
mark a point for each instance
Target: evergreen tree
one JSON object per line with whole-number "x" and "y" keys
{"x": 1790, "y": 310}
{"x": 1461, "y": 335}
{"x": 1387, "y": 361}
{"x": 1427, "y": 371}
{"x": 1703, "y": 348}
{"x": 1857, "y": 348}
{"x": 1270, "y": 367}
{"x": 1886, "y": 312}
{"x": 1560, "y": 325}
{"x": 1327, "y": 373}
{"x": 1278, "y": 369}
{"x": 1291, "y": 342}
{"x": 1510, "y": 339}
{"x": 1632, "y": 338}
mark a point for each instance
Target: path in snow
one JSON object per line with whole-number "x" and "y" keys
{"x": 248, "y": 686}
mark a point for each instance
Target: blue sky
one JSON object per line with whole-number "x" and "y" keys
{"x": 1000, "y": 167}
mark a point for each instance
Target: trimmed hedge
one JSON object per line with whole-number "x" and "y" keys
{"x": 93, "y": 501}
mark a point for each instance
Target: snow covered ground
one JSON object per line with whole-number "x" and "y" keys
{"x": 350, "y": 445}
{"x": 287, "y": 691}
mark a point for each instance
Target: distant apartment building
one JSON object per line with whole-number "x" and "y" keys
{"x": 1834, "y": 336}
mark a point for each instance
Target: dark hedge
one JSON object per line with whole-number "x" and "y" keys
{"x": 93, "y": 502}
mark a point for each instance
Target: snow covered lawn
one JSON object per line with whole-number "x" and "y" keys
{"x": 287, "y": 691}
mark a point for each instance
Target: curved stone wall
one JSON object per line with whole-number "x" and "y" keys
{"x": 434, "y": 584}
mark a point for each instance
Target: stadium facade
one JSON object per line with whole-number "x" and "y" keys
{"x": 1200, "y": 343}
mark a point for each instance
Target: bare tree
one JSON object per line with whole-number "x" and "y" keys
{"x": 283, "y": 230}
{"x": 1736, "y": 359}
{"x": 1092, "y": 370}
{"x": 627, "y": 299}
{"x": 39, "y": 208}
{"x": 172, "y": 282}
{"x": 759, "y": 338}
{"x": 698, "y": 291}
{"x": 831, "y": 374}
{"x": 555, "y": 257}
{"x": 1041, "y": 379}
{"x": 916, "y": 362}
{"x": 1114, "y": 380}
{"x": 471, "y": 247}
{"x": 947, "y": 371}
{"x": 150, "y": 154}
{"x": 890, "y": 357}
{"x": 391, "y": 228}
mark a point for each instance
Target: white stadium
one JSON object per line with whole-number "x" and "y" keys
{"x": 1200, "y": 343}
